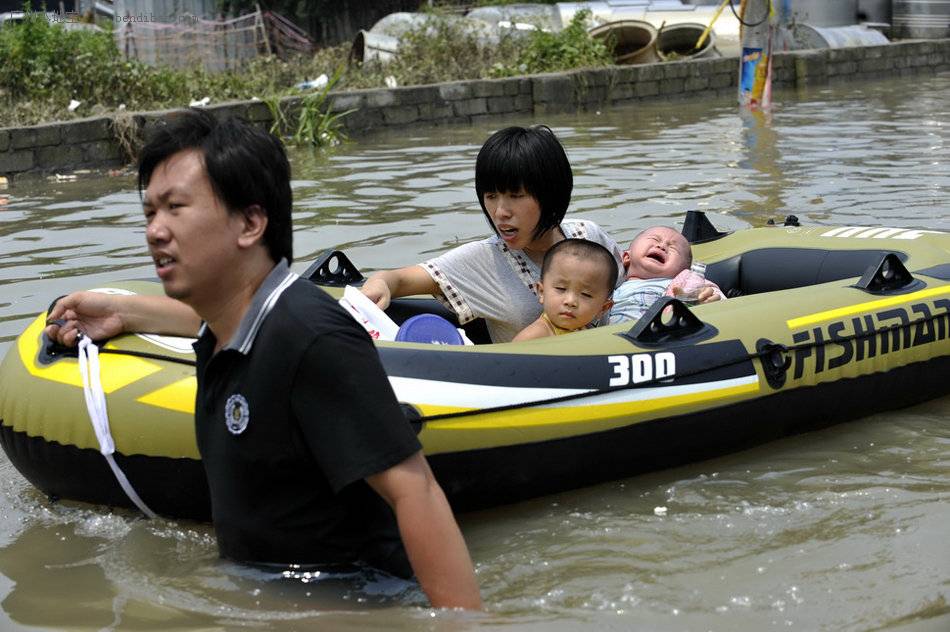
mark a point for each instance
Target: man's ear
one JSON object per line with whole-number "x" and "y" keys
{"x": 255, "y": 223}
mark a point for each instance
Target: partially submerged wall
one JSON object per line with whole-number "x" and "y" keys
{"x": 95, "y": 143}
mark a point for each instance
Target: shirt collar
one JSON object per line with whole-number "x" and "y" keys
{"x": 263, "y": 301}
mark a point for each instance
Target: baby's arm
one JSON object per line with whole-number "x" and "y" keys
{"x": 710, "y": 294}
{"x": 537, "y": 329}
{"x": 696, "y": 288}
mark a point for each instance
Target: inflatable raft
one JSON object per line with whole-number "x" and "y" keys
{"x": 825, "y": 324}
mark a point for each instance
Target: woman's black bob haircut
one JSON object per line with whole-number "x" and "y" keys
{"x": 529, "y": 158}
{"x": 245, "y": 165}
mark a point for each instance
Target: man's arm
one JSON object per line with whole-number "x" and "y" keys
{"x": 102, "y": 316}
{"x": 429, "y": 533}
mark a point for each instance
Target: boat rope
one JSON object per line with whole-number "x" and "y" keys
{"x": 99, "y": 416}
{"x": 768, "y": 352}
{"x": 149, "y": 356}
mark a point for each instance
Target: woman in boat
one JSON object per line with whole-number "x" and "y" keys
{"x": 523, "y": 181}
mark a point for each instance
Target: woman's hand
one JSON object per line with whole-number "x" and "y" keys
{"x": 383, "y": 286}
{"x": 94, "y": 314}
{"x": 377, "y": 290}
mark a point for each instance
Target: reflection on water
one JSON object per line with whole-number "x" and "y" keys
{"x": 762, "y": 156}
{"x": 842, "y": 530}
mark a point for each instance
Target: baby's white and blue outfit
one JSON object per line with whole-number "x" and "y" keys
{"x": 634, "y": 297}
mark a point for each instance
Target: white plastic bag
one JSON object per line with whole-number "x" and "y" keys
{"x": 374, "y": 320}
{"x": 367, "y": 313}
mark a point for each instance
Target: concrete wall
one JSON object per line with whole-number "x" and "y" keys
{"x": 92, "y": 143}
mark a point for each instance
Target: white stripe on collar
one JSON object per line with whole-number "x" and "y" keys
{"x": 266, "y": 308}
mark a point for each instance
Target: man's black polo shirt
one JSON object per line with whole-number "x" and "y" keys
{"x": 290, "y": 416}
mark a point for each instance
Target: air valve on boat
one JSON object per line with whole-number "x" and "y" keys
{"x": 790, "y": 220}
{"x": 775, "y": 361}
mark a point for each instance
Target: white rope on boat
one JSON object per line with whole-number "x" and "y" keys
{"x": 99, "y": 416}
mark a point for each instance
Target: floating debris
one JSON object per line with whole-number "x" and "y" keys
{"x": 314, "y": 84}
{"x": 659, "y": 511}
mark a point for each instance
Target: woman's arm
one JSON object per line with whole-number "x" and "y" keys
{"x": 101, "y": 316}
{"x": 383, "y": 286}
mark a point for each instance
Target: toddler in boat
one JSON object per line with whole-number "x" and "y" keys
{"x": 658, "y": 264}
{"x": 577, "y": 279}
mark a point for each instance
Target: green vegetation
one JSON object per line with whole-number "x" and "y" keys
{"x": 316, "y": 125}
{"x": 43, "y": 67}
{"x": 569, "y": 48}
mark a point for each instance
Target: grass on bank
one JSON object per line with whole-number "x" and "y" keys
{"x": 44, "y": 67}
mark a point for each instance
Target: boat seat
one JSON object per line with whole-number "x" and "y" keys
{"x": 772, "y": 269}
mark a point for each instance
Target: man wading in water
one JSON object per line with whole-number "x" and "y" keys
{"x": 309, "y": 458}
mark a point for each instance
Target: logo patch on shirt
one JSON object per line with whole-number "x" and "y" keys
{"x": 236, "y": 414}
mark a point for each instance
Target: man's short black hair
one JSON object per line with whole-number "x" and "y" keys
{"x": 529, "y": 158}
{"x": 584, "y": 249}
{"x": 245, "y": 165}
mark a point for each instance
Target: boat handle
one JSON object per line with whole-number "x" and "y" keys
{"x": 50, "y": 350}
{"x": 333, "y": 268}
{"x": 659, "y": 325}
{"x": 698, "y": 229}
{"x": 888, "y": 276}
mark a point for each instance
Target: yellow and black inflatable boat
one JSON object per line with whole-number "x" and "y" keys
{"x": 826, "y": 324}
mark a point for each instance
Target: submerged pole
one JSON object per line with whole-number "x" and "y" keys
{"x": 757, "y": 18}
